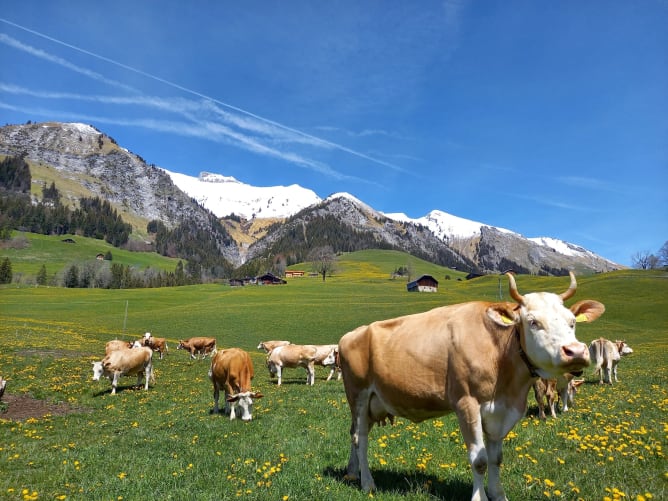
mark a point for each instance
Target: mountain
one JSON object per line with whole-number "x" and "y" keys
{"x": 271, "y": 221}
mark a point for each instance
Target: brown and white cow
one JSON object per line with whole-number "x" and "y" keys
{"x": 232, "y": 371}
{"x": 563, "y": 388}
{"x": 198, "y": 345}
{"x": 327, "y": 356}
{"x": 158, "y": 344}
{"x": 116, "y": 344}
{"x": 126, "y": 362}
{"x": 267, "y": 346}
{"x": 605, "y": 356}
{"x": 291, "y": 356}
{"x": 477, "y": 359}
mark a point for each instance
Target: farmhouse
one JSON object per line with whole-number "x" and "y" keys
{"x": 270, "y": 279}
{"x": 294, "y": 273}
{"x": 426, "y": 283}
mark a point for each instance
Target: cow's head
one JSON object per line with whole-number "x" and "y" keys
{"x": 243, "y": 400}
{"x": 547, "y": 328}
{"x": 330, "y": 359}
{"x": 147, "y": 335}
{"x": 98, "y": 371}
{"x": 623, "y": 348}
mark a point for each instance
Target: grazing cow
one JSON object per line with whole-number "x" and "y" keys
{"x": 292, "y": 355}
{"x": 605, "y": 356}
{"x": 326, "y": 356}
{"x": 116, "y": 344}
{"x": 232, "y": 370}
{"x": 267, "y": 346}
{"x": 564, "y": 387}
{"x": 127, "y": 362}
{"x": 478, "y": 359}
{"x": 158, "y": 344}
{"x": 198, "y": 345}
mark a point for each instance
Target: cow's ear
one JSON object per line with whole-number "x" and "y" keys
{"x": 587, "y": 310}
{"x": 233, "y": 398}
{"x": 257, "y": 394}
{"x": 578, "y": 382}
{"x": 502, "y": 314}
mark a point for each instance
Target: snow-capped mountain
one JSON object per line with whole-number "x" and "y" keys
{"x": 225, "y": 195}
{"x": 87, "y": 162}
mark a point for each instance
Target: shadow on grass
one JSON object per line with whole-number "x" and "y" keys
{"x": 411, "y": 483}
{"x": 121, "y": 389}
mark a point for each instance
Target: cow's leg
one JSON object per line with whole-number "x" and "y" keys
{"x": 216, "y": 396}
{"x": 539, "y": 396}
{"x": 359, "y": 435}
{"x": 470, "y": 423}
{"x": 495, "y": 452}
{"x": 279, "y": 372}
{"x": 614, "y": 372}
{"x": 114, "y": 383}
{"x": 310, "y": 371}
{"x": 608, "y": 372}
{"x": 331, "y": 373}
{"x": 139, "y": 375}
{"x": 148, "y": 374}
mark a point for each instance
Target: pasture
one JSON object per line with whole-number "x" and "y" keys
{"x": 163, "y": 444}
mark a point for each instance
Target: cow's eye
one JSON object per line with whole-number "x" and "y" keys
{"x": 535, "y": 324}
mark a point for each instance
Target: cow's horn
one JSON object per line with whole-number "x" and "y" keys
{"x": 571, "y": 290}
{"x": 513, "y": 289}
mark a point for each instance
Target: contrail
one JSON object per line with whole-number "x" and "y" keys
{"x": 313, "y": 139}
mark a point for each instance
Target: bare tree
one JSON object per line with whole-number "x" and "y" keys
{"x": 663, "y": 254}
{"x": 323, "y": 260}
{"x": 644, "y": 260}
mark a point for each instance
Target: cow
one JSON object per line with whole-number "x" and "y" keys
{"x": 564, "y": 387}
{"x": 605, "y": 356}
{"x": 477, "y": 359}
{"x": 126, "y": 362}
{"x": 267, "y": 346}
{"x": 292, "y": 355}
{"x": 158, "y": 344}
{"x": 232, "y": 370}
{"x": 326, "y": 355}
{"x": 116, "y": 344}
{"x": 3, "y": 385}
{"x": 198, "y": 345}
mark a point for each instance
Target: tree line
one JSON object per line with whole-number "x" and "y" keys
{"x": 93, "y": 217}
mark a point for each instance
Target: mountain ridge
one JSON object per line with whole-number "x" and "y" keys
{"x": 81, "y": 153}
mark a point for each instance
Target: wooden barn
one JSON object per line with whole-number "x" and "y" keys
{"x": 426, "y": 283}
{"x": 270, "y": 279}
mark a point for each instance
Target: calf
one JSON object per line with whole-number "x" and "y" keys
{"x": 605, "y": 356}
{"x": 158, "y": 344}
{"x": 292, "y": 355}
{"x": 477, "y": 359}
{"x": 232, "y": 371}
{"x": 267, "y": 346}
{"x": 126, "y": 362}
{"x": 198, "y": 345}
{"x": 564, "y": 387}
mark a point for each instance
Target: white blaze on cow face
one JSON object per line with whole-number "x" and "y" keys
{"x": 245, "y": 402}
{"x": 330, "y": 359}
{"x": 97, "y": 371}
{"x": 549, "y": 335}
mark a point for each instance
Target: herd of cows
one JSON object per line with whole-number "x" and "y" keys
{"x": 476, "y": 359}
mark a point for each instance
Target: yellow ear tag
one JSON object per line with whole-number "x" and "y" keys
{"x": 582, "y": 317}
{"x": 507, "y": 320}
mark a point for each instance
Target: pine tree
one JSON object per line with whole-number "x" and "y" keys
{"x": 6, "y": 271}
{"x": 41, "y": 275}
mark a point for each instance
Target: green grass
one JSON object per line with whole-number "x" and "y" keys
{"x": 163, "y": 444}
{"x": 51, "y": 251}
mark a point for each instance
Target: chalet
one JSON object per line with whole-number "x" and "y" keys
{"x": 294, "y": 273}
{"x": 426, "y": 283}
{"x": 270, "y": 279}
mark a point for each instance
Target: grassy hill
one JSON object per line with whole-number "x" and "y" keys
{"x": 164, "y": 444}
{"x": 52, "y": 251}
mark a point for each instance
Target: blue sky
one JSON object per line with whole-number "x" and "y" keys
{"x": 546, "y": 118}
